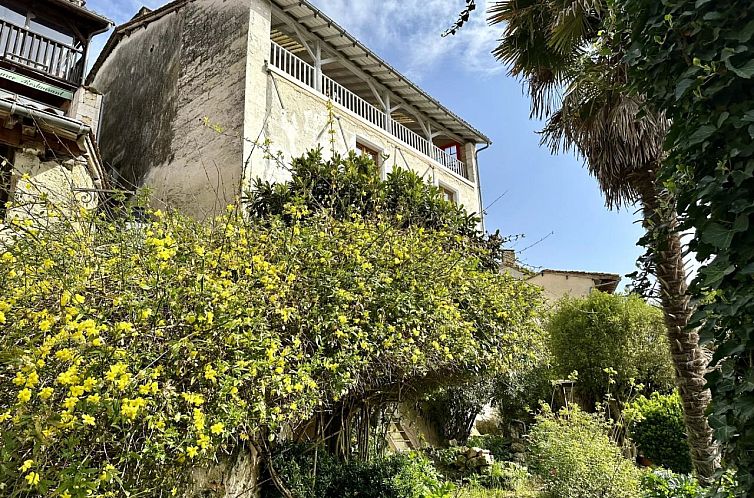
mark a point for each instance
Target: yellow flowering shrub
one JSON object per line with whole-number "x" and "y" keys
{"x": 131, "y": 353}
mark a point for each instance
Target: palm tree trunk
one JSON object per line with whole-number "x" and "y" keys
{"x": 689, "y": 358}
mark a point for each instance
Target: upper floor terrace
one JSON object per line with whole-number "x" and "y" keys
{"x": 44, "y": 46}
{"x": 311, "y": 48}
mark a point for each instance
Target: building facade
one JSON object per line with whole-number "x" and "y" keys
{"x": 48, "y": 118}
{"x": 199, "y": 92}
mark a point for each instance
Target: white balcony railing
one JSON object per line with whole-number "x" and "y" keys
{"x": 27, "y": 48}
{"x": 306, "y": 74}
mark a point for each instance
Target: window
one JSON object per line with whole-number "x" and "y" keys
{"x": 366, "y": 150}
{"x": 6, "y": 178}
{"x": 448, "y": 194}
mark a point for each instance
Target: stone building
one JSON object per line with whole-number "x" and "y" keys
{"x": 48, "y": 119}
{"x": 194, "y": 88}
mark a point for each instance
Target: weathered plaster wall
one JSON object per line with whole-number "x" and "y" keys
{"x": 39, "y": 184}
{"x": 558, "y": 286}
{"x": 159, "y": 85}
{"x": 299, "y": 121}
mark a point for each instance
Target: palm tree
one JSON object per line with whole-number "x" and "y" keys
{"x": 579, "y": 87}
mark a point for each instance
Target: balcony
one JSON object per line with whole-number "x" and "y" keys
{"x": 23, "y": 47}
{"x": 305, "y": 73}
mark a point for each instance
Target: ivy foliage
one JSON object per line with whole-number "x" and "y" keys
{"x": 656, "y": 426}
{"x": 612, "y": 342}
{"x": 134, "y": 352}
{"x": 694, "y": 60}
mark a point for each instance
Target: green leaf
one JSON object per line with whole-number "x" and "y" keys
{"x": 746, "y": 33}
{"x": 717, "y": 235}
{"x": 746, "y": 71}
{"x": 701, "y": 134}
{"x": 682, "y": 86}
{"x": 741, "y": 224}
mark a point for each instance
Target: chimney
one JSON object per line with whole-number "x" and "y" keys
{"x": 80, "y": 3}
{"x": 509, "y": 258}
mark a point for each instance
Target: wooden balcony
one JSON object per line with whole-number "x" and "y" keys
{"x": 22, "y": 47}
{"x": 304, "y": 72}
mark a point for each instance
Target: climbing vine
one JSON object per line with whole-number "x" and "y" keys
{"x": 694, "y": 59}
{"x": 133, "y": 352}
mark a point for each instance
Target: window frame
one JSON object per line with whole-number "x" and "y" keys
{"x": 446, "y": 189}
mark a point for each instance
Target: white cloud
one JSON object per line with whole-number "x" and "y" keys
{"x": 410, "y": 30}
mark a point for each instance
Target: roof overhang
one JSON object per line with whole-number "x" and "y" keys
{"x": 95, "y": 23}
{"x": 325, "y": 29}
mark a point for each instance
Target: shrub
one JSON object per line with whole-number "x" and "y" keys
{"x": 610, "y": 340}
{"x": 575, "y": 458}
{"x": 508, "y": 476}
{"x": 663, "y": 483}
{"x": 396, "y": 476}
{"x": 131, "y": 354}
{"x": 656, "y": 426}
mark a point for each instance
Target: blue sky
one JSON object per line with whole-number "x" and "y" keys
{"x": 544, "y": 193}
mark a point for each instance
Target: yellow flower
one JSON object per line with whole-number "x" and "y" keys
{"x": 4, "y": 417}
{"x": 65, "y": 298}
{"x": 20, "y": 379}
{"x": 70, "y": 403}
{"x": 46, "y": 393}
{"x": 192, "y": 451}
{"x": 94, "y": 399}
{"x": 89, "y": 420}
{"x": 26, "y": 466}
{"x": 77, "y": 391}
{"x": 210, "y": 373}
{"x": 217, "y": 429}
{"x": 203, "y": 442}
{"x": 24, "y": 396}
{"x": 32, "y": 380}
{"x": 90, "y": 384}
{"x": 65, "y": 494}
{"x": 32, "y": 478}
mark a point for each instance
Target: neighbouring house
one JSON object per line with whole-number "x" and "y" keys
{"x": 195, "y": 89}
{"x": 557, "y": 284}
{"x": 48, "y": 118}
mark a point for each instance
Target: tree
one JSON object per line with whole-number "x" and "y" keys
{"x": 695, "y": 60}
{"x": 612, "y": 341}
{"x": 553, "y": 45}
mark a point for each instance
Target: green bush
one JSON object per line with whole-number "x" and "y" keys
{"x": 397, "y": 476}
{"x": 507, "y": 476}
{"x": 575, "y": 458}
{"x": 611, "y": 341}
{"x": 656, "y": 426}
{"x": 663, "y": 483}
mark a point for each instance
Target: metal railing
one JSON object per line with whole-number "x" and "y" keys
{"x": 23, "y": 46}
{"x": 306, "y": 74}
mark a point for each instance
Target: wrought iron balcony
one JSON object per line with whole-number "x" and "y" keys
{"x": 23, "y": 47}
{"x": 304, "y": 72}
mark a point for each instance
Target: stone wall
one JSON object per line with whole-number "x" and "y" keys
{"x": 173, "y": 105}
